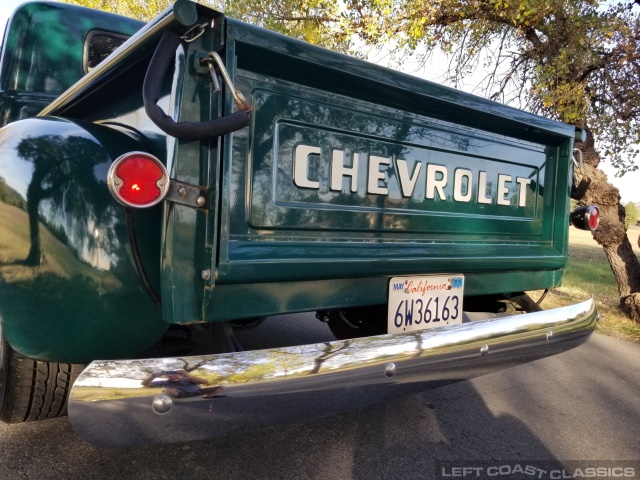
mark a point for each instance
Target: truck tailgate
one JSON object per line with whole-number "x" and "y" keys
{"x": 353, "y": 170}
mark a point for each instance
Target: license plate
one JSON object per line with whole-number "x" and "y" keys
{"x": 417, "y": 303}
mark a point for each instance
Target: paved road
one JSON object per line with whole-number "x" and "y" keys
{"x": 581, "y": 405}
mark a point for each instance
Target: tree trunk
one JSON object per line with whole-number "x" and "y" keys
{"x": 611, "y": 234}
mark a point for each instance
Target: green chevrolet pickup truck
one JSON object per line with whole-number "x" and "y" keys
{"x": 164, "y": 185}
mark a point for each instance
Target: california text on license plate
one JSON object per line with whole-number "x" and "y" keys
{"x": 417, "y": 303}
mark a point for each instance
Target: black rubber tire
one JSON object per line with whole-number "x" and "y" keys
{"x": 30, "y": 389}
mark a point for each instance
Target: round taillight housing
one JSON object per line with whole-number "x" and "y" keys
{"x": 586, "y": 217}
{"x": 138, "y": 179}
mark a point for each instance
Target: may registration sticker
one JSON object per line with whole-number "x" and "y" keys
{"x": 417, "y": 303}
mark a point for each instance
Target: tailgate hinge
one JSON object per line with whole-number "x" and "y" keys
{"x": 187, "y": 194}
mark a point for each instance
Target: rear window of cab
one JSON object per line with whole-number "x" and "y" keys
{"x": 98, "y": 46}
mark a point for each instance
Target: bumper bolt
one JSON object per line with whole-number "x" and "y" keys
{"x": 162, "y": 404}
{"x": 484, "y": 350}
{"x": 390, "y": 370}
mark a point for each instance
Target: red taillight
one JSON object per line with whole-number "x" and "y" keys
{"x": 137, "y": 179}
{"x": 585, "y": 217}
{"x": 594, "y": 218}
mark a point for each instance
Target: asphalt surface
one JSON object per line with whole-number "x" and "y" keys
{"x": 580, "y": 405}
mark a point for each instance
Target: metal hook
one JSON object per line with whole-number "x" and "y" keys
{"x": 241, "y": 102}
{"x": 214, "y": 77}
{"x": 577, "y": 163}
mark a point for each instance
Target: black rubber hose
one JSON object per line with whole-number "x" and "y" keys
{"x": 162, "y": 58}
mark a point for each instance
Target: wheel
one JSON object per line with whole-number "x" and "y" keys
{"x": 357, "y": 322}
{"x": 30, "y": 389}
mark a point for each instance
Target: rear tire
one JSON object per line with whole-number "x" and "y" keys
{"x": 30, "y": 389}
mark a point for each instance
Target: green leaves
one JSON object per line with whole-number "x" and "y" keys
{"x": 568, "y": 59}
{"x": 142, "y": 10}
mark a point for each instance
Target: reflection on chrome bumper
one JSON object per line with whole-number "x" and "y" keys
{"x": 266, "y": 388}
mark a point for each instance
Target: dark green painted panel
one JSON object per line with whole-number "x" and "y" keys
{"x": 242, "y": 301}
{"x": 69, "y": 290}
{"x": 277, "y": 224}
{"x": 183, "y": 248}
{"x": 408, "y": 175}
{"x": 311, "y": 238}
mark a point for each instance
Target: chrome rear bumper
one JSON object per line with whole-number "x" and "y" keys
{"x": 266, "y": 388}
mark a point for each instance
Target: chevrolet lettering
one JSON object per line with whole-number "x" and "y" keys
{"x": 166, "y": 186}
{"x": 417, "y": 179}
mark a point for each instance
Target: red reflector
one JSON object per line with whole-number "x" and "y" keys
{"x": 594, "y": 218}
{"x": 138, "y": 179}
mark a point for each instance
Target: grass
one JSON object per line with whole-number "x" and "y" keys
{"x": 588, "y": 273}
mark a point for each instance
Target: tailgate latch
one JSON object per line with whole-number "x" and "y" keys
{"x": 212, "y": 59}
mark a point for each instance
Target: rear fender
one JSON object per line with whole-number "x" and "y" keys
{"x": 69, "y": 290}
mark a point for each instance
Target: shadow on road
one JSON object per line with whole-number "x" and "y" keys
{"x": 396, "y": 439}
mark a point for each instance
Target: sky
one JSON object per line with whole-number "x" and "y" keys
{"x": 629, "y": 185}
{"x": 6, "y": 7}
